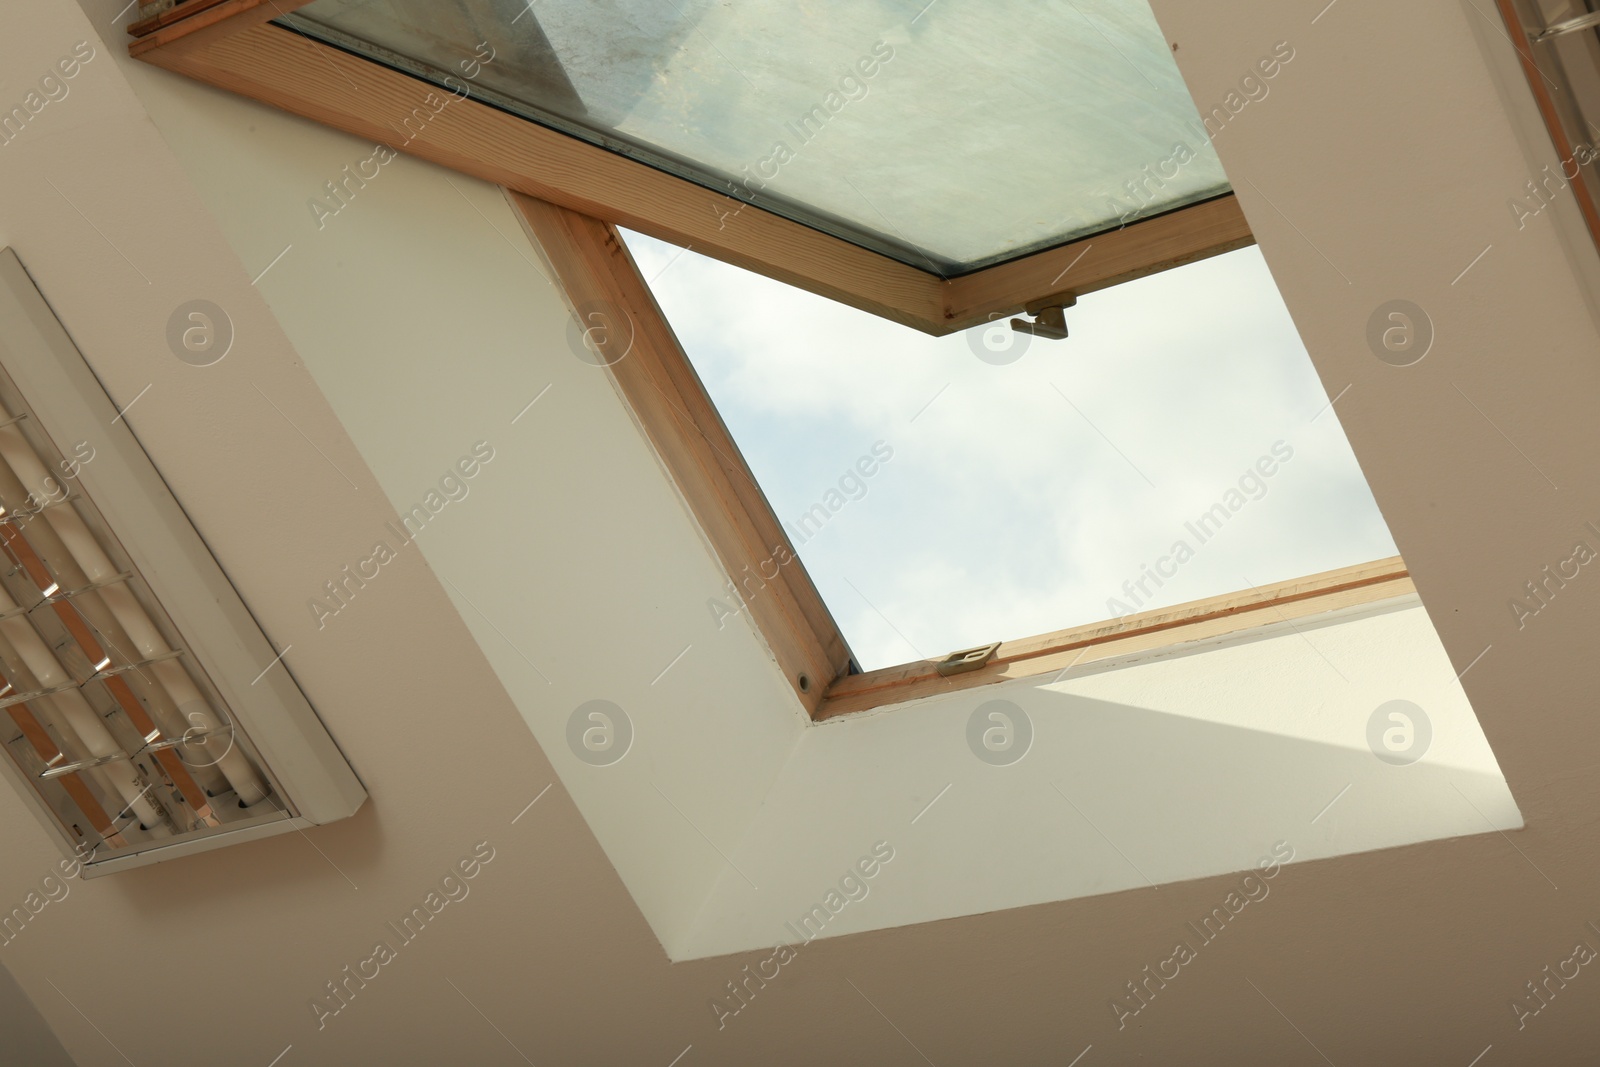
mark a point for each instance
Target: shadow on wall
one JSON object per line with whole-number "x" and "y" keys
{"x": 1103, "y": 797}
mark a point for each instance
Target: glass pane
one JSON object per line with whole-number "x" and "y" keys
{"x": 948, "y": 492}
{"x": 950, "y": 135}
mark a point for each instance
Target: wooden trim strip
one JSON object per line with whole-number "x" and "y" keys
{"x": 669, "y": 403}
{"x": 1197, "y": 620}
{"x": 1166, "y": 241}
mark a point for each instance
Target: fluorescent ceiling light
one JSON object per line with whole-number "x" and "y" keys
{"x": 138, "y": 720}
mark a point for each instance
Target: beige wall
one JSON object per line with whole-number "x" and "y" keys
{"x": 1387, "y": 142}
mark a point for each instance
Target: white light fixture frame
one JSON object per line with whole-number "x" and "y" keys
{"x": 43, "y": 374}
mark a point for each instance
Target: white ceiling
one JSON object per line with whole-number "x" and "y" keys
{"x": 412, "y": 682}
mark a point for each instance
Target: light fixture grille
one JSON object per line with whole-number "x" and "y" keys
{"x": 138, "y": 715}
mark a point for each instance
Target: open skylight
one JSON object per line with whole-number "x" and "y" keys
{"x": 842, "y": 116}
{"x": 951, "y": 492}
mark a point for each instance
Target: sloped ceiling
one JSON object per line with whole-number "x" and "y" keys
{"x": 1352, "y": 171}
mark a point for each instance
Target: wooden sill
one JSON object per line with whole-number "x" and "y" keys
{"x": 1195, "y": 621}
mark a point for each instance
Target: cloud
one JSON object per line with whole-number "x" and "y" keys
{"x": 1017, "y": 501}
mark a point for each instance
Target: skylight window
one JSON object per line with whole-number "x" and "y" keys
{"x": 953, "y": 492}
{"x": 842, "y": 116}
{"x": 935, "y": 205}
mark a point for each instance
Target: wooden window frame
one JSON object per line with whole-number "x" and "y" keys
{"x": 605, "y": 290}
{"x": 571, "y": 196}
{"x": 231, "y": 44}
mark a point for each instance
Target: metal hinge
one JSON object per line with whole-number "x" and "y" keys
{"x": 968, "y": 659}
{"x": 1049, "y": 317}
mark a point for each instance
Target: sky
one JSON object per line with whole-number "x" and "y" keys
{"x": 1025, "y": 493}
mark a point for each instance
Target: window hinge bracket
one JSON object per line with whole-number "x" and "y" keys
{"x": 1049, "y": 317}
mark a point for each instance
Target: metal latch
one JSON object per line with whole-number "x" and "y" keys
{"x": 968, "y": 659}
{"x": 1049, "y": 317}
